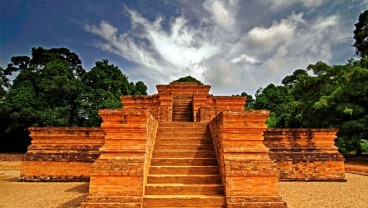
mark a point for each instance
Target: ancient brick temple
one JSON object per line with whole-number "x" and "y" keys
{"x": 182, "y": 147}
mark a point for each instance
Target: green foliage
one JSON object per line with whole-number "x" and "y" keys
{"x": 276, "y": 99}
{"x": 249, "y": 105}
{"x": 189, "y": 79}
{"x": 331, "y": 97}
{"x": 361, "y": 35}
{"x": 140, "y": 88}
{"x": 103, "y": 86}
{"x": 52, "y": 89}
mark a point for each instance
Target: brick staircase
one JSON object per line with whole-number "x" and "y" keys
{"x": 184, "y": 170}
{"x": 182, "y": 109}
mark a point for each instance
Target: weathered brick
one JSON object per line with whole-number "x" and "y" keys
{"x": 305, "y": 154}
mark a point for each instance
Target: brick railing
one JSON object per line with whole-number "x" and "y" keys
{"x": 119, "y": 175}
{"x": 248, "y": 175}
{"x": 305, "y": 154}
{"x": 61, "y": 154}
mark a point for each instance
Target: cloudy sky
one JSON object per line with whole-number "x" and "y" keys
{"x": 234, "y": 45}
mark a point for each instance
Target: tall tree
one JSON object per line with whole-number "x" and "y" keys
{"x": 103, "y": 86}
{"x": 333, "y": 97}
{"x": 276, "y": 99}
{"x": 361, "y": 35}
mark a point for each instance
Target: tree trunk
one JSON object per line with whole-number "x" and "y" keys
{"x": 358, "y": 146}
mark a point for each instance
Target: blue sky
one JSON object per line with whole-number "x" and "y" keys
{"x": 234, "y": 45}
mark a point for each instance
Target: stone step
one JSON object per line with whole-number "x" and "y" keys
{"x": 183, "y": 141}
{"x": 182, "y": 118}
{"x": 181, "y": 135}
{"x": 184, "y": 179}
{"x": 184, "y": 170}
{"x": 184, "y": 154}
{"x": 110, "y": 205}
{"x": 183, "y": 189}
{"x": 183, "y": 161}
{"x": 182, "y": 102}
{"x": 184, "y": 147}
{"x": 183, "y": 106}
{"x": 183, "y": 129}
{"x": 213, "y": 201}
{"x": 111, "y": 201}
{"x": 182, "y": 124}
{"x": 182, "y": 110}
{"x": 182, "y": 114}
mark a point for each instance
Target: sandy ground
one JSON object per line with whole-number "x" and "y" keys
{"x": 350, "y": 194}
{"x": 13, "y": 194}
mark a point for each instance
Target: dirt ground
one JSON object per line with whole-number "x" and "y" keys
{"x": 350, "y": 194}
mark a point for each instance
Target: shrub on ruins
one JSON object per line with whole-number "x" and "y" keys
{"x": 188, "y": 79}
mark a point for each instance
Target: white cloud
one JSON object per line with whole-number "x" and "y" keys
{"x": 282, "y": 4}
{"x": 220, "y": 14}
{"x": 219, "y": 50}
{"x": 279, "y": 32}
{"x": 171, "y": 53}
{"x": 245, "y": 58}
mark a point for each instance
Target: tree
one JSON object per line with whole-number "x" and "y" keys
{"x": 333, "y": 97}
{"x": 4, "y": 83}
{"x": 39, "y": 97}
{"x": 361, "y": 35}
{"x": 140, "y": 88}
{"x": 297, "y": 75}
{"x": 276, "y": 99}
{"x": 249, "y": 105}
{"x": 52, "y": 89}
{"x": 189, "y": 79}
{"x": 103, "y": 86}
{"x": 43, "y": 94}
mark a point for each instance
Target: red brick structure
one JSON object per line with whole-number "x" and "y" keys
{"x": 182, "y": 147}
{"x": 61, "y": 154}
{"x": 305, "y": 154}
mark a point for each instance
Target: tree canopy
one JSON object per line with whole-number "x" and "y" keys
{"x": 331, "y": 97}
{"x": 361, "y": 35}
{"x": 53, "y": 89}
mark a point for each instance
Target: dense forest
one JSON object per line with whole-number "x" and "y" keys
{"x": 52, "y": 89}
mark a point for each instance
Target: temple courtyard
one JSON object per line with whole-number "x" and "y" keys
{"x": 182, "y": 147}
{"x": 350, "y": 194}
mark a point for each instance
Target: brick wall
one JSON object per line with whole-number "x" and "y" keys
{"x": 305, "y": 154}
{"x": 61, "y": 154}
{"x": 119, "y": 175}
{"x": 151, "y": 103}
{"x": 249, "y": 176}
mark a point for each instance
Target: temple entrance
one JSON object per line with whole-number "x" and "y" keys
{"x": 182, "y": 109}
